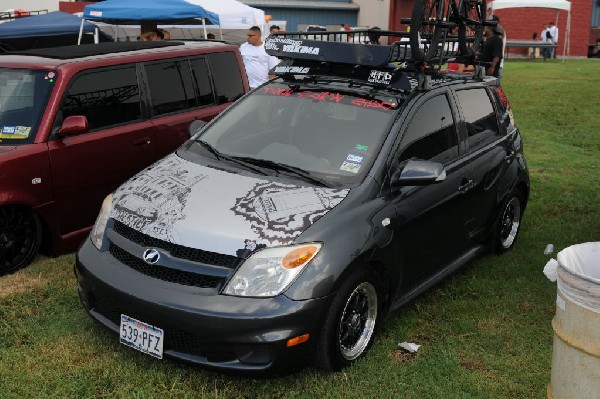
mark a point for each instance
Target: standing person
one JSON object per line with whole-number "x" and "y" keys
{"x": 502, "y": 33}
{"x": 533, "y": 52}
{"x": 256, "y": 60}
{"x": 492, "y": 51}
{"x": 343, "y": 38}
{"x": 554, "y": 33}
{"x": 547, "y": 39}
{"x": 274, "y": 29}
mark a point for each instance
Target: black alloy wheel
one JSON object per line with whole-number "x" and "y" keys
{"x": 509, "y": 223}
{"x": 350, "y": 324}
{"x": 20, "y": 238}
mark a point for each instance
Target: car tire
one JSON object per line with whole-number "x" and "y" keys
{"x": 350, "y": 323}
{"x": 20, "y": 238}
{"x": 508, "y": 225}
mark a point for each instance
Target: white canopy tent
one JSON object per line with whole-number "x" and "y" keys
{"x": 551, "y": 4}
{"x": 233, "y": 14}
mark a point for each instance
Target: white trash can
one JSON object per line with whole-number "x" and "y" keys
{"x": 576, "y": 349}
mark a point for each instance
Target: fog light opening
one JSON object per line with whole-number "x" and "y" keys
{"x": 300, "y": 339}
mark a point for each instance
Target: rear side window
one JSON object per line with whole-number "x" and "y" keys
{"x": 171, "y": 87}
{"x": 226, "y": 76}
{"x": 431, "y": 135}
{"x": 107, "y": 97}
{"x": 480, "y": 119}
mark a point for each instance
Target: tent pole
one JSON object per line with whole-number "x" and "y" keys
{"x": 96, "y": 35}
{"x": 567, "y": 47}
{"x": 80, "y": 31}
{"x": 204, "y": 27}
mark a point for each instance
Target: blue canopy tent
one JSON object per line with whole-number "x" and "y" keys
{"x": 46, "y": 30}
{"x": 136, "y": 11}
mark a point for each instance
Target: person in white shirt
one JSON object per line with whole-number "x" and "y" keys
{"x": 256, "y": 60}
{"x": 554, "y": 33}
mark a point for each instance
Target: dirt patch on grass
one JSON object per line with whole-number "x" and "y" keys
{"x": 473, "y": 365}
{"x": 19, "y": 282}
{"x": 400, "y": 356}
{"x": 525, "y": 307}
{"x": 491, "y": 326}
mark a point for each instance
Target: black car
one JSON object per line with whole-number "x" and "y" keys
{"x": 290, "y": 226}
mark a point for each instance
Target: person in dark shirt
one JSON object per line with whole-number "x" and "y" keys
{"x": 492, "y": 51}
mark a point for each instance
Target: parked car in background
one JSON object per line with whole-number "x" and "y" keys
{"x": 289, "y": 227}
{"x": 77, "y": 121}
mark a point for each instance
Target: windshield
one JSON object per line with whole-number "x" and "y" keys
{"x": 333, "y": 135}
{"x": 23, "y": 97}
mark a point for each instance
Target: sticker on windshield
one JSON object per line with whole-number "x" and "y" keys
{"x": 50, "y": 77}
{"x": 350, "y": 167}
{"x": 382, "y": 77}
{"x": 355, "y": 158}
{"x": 361, "y": 147}
{"x": 23, "y": 130}
{"x": 15, "y": 132}
{"x": 334, "y": 97}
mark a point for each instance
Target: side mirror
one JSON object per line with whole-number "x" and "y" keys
{"x": 418, "y": 173}
{"x": 74, "y": 125}
{"x": 195, "y": 127}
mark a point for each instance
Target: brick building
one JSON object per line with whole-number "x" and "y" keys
{"x": 520, "y": 23}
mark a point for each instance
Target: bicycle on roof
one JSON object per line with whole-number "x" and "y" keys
{"x": 433, "y": 24}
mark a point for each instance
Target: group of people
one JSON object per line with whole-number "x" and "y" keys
{"x": 494, "y": 46}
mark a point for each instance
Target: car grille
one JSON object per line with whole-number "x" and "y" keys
{"x": 178, "y": 251}
{"x": 172, "y": 275}
{"x": 163, "y": 273}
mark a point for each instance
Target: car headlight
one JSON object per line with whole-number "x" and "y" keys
{"x": 97, "y": 234}
{"x": 270, "y": 271}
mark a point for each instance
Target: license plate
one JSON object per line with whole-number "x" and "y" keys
{"x": 142, "y": 336}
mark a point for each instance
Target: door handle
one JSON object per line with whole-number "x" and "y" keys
{"x": 142, "y": 141}
{"x": 466, "y": 186}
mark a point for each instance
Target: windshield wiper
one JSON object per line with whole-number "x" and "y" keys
{"x": 210, "y": 148}
{"x": 235, "y": 160}
{"x": 278, "y": 166}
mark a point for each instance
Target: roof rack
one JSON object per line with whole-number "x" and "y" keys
{"x": 357, "y": 55}
{"x": 86, "y": 50}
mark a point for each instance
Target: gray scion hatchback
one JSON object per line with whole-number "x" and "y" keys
{"x": 289, "y": 227}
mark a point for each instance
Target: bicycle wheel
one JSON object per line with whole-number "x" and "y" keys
{"x": 425, "y": 28}
{"x": 470, "y": 26}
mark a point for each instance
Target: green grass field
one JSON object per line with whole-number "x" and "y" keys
{"x": 485, "y": 332}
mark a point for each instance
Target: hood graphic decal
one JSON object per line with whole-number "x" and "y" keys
{"x": 200, "y": 207}
{"x": 279, "y": 212}
{"x": 153, "y": 201}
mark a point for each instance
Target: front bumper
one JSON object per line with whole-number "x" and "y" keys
{"x": 200, "y": 326}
